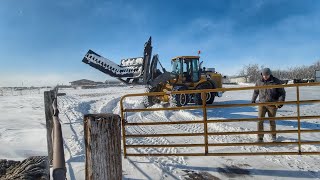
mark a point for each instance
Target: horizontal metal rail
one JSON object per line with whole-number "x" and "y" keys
{"x": 218, "y": 144}
{"x": 220, "y": 90}
{"x": 229, "y": 154}
{"x": 219, "y": 106}
{"x": 164, "y": 123}
{"x": 263, "y": 132}
{"x": 222, "y": 133}
{"x": 287, "y": 118}
{"x": 163, "y": 145}
{"x": 162, "y": 135}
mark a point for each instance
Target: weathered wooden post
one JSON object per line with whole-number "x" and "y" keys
{"x": 103, "y": 146}
{"x": 48, "y": 99}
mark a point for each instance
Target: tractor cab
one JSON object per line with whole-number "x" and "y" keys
{"x": 187, "y": 68}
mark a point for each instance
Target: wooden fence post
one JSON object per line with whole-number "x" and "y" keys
{"x": 48, "y": 99}
{"x": 102, "y": 133}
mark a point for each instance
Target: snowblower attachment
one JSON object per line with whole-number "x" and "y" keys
{"x": 131, "y": 70}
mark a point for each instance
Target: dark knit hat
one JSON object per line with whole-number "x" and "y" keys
{"x": 266, "y": 72}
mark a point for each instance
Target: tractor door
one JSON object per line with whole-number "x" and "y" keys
{"x": 191, "y": 70}
{"x": 195, "y": 70}
{"x": 187, "y": 70}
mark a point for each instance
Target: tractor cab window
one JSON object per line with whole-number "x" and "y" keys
{"x": 176, "y": 67}
{"x": 195, "y": 70}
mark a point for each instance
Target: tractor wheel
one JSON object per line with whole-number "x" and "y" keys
{"x": 150, "y": 100}
{"x": 209, "y": 96}
{"x": 179, "y": 99}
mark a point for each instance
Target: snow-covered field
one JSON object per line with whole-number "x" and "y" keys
{"x": 23, "y": 134}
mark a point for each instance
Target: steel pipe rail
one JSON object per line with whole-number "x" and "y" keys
{"x": 220, "y": 90}
{"x": 59, "y": 167}
{"x": 218, "y": 144}
{"x": 229, "y": 154}
{"x": 59, "y": 164}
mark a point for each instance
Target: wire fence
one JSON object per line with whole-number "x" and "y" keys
{"x": 13, "y": 91}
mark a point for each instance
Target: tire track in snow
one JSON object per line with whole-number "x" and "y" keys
{"x": 296, "y": 162}
{"x": 62, "y": 103}
{"x": 165, "y": 117}
{"x": 181, "y": 115}
{"x": 164, "y": 163}
{"x": 110, "y": 106}
{"x": 148, "y": 130}
{"x": 76, "y": 142}
{"x": 161, "y": 116}
{"x": 73, "y": 112}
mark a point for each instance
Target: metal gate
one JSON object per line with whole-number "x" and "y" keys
{"x": 205, "y": 121}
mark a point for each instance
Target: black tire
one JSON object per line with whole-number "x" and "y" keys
{"x": 150, "y": 100}
{"x": 179, "y": 99}
{"x": 213, "y": 94}
{"x": 209, "y": 97}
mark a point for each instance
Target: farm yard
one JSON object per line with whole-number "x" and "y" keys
{"x": 23, "y": 132}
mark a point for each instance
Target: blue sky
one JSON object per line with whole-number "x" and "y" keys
{"x": 43, "y": 42}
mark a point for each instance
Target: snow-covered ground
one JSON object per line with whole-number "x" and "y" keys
{"x": 23, "y": 133}
{"x": 22, "y": 124}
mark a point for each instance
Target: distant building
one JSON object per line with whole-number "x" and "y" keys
{"x": 113, "y": 83}
{"x": 85, "y": 83}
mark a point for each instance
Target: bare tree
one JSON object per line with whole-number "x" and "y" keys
{"x": 253, "y": 72}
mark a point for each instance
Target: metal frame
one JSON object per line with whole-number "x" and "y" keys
{"x": 205, "y": 122}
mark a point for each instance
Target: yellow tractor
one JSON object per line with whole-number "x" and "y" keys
{"x": 186, "y": 74}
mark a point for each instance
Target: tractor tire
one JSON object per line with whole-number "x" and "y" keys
{"x": 149, "y": 101}
{"x": 213, "y": 94}
{"x": 179, "y": 100}
{"x": 209, "y": 97}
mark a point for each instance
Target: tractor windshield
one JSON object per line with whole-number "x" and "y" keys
{"x": 176, "y": 67}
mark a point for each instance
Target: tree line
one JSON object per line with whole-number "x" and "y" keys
{"x": 253, "y": 72}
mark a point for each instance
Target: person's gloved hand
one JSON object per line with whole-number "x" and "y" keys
{"x": 253, "y": 101}
{"x": 279, "y": 106}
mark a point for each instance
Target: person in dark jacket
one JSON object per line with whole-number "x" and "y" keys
{"x": 268, "y": 95}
